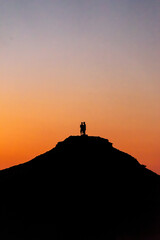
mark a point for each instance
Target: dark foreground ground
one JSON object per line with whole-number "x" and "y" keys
{"x": 82, "y": 189}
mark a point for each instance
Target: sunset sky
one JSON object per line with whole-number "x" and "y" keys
{"x": 67, "y": 61}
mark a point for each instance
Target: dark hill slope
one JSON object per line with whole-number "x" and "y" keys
{"x": 82, "y": 187}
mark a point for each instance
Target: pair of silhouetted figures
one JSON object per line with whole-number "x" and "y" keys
{"x": 83, "y": 128}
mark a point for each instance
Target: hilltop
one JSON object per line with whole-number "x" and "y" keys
{"x": 84, "y": 187}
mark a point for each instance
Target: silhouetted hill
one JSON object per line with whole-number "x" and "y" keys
{"x": 84, "y": 188}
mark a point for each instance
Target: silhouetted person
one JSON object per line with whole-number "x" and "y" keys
{"x": 83, "y": 128}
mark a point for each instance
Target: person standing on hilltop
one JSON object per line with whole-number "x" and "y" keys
{"x": 83, "y": 128}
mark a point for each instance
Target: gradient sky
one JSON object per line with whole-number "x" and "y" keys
{"x": 67, "y": 61}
